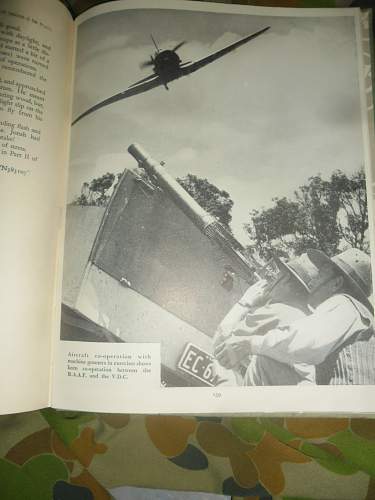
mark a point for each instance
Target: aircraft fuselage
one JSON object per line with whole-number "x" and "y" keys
{"x": 167, "y": 65}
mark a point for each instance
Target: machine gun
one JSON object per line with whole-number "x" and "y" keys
{"x": 207, "y": 223}
{"x": 153, "y": 266}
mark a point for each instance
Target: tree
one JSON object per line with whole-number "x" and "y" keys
{"x": 328, "y": 215}
{"x": 271, "y": 228}
{"x": 353, "y": 220}
{"x": 98, "y": 191}
{"x": 317, "y": 224}
{"x": 215, "y": 201}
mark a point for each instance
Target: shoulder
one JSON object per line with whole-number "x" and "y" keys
{"x": 279, "y": 306}
{"x": 282, "y": 311}
{"x": 335, "y": 302}
{"x": 345, "y": 304}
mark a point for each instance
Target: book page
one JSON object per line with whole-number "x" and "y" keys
{"x": 219, "y": 224}
{"x": 36, "y": 50}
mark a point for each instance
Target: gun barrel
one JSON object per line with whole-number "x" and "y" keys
{"x": 205, "y": 221}
{"x": 187, "y": 204}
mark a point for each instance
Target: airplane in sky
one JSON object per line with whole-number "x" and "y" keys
{"x": 167, "y": 66}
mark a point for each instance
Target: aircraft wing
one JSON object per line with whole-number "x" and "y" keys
{"x": 136, "y": 88}
{"x": 186, "y": 70}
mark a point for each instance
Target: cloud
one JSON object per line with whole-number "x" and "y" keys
{"x": 257, "y": 123}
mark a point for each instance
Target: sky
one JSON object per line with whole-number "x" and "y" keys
{"x": 257, "y": 123}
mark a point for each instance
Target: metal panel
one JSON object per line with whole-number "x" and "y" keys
{"x": 133, "y": 318}
{"x": 82, "y": 225}
{"x": 147, "y": 242}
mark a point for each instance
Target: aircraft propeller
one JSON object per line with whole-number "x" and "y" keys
{"x": 179, "y": 45}
{"x": 156, "y": 45}
{"x": 151, "y": 61}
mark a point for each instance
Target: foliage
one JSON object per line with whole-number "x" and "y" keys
{"x": 215, "y": 201}
{"x": 98, "y": 191}
{"x": 353, "y": 220}
{"x": 325, "y": 214}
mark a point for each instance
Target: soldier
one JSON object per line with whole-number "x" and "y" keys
{"x": 349, "y": 356}
{"x": 264, "y": 307}
{"x": 338, "y": 337}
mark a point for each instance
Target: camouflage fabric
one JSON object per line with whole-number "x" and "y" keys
{"x": 64, "y": 456}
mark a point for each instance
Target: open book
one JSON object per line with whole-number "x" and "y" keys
{"x": 186, "y": 209}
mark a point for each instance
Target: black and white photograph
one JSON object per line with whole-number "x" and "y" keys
{"x": 217, "y": 196}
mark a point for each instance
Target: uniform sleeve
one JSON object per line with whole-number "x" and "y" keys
{"x": 233, "y": 318}
{"x": 238, "y": 312}
{"x": 311, "y": 339}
